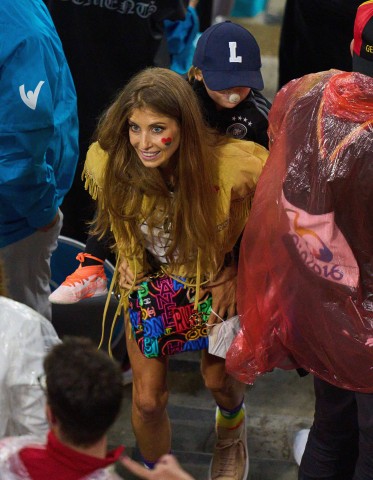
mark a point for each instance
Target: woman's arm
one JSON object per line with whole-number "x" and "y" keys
{"x": 127, "y": 278}
{"x": 223, "y": 290}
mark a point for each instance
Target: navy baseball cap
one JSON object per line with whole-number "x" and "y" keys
{"x": 228, "y": 56}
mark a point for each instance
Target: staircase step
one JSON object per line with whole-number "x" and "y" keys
{"x": 278, "y": 405}
{"x": 270, "y": 437}
{"x": 259, "y": 469}
{"x": 197, "y": 464}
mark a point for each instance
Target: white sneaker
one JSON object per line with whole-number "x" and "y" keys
{"x": 230, "y": 459}
{"x": 85, "y": 282}
{"x": 299, "y": 444}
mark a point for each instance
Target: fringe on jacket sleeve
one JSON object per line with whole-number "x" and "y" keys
{"x": 94, "y": 168}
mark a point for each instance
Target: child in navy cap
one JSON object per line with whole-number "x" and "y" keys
{"x": 226, "y": 77}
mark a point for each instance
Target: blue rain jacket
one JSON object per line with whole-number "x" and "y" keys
{"x": 38, "y": 120}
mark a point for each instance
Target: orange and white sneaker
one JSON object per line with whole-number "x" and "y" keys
{"x": 85, "y": 282}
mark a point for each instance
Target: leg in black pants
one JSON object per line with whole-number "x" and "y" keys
{"x": 99, "y": 248}
{"x": 332, "y": 448}
{"x": 364, "y": 465}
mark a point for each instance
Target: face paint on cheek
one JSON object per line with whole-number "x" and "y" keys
{"x": 167, "y": 141}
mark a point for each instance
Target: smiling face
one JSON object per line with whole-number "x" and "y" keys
{"x": 154, "y": 137}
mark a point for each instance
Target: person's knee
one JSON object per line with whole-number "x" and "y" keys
{"x": 150, "y": 403}
{"x": 216, "y": 380}
{"x": 217, "y": 384}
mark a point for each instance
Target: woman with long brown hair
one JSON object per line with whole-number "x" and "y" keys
{"x": 176, "y": 198}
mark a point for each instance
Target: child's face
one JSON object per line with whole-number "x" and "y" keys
{"x": 228, "y": 98}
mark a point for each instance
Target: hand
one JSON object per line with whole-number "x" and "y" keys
{"x": 126, "y": 277}
{"x": 50, "y": 225}
{"x": 167, "y": 467}
{"x": 223, "y": 289}
{"x": 193, "y": 3}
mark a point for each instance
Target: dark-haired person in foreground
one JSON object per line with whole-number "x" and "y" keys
{"x": 83, "y": 389}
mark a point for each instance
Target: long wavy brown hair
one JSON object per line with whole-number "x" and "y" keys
{"x": 192, "y": 208}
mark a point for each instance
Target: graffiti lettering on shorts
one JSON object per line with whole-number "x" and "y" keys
{"x": 193, "y": 345}
{"x": 153, "y": 327}
{"x": 150, "y": 347}
{"x": 181, "y": 317}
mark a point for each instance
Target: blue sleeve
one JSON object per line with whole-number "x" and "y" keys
{"x": 181, "y": 33}
{"x": 38, "y": 124}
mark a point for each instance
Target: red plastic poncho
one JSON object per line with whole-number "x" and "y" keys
{"x": 305, "y": 282}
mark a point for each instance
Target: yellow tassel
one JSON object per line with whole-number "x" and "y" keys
{"x": 241, "y": 207}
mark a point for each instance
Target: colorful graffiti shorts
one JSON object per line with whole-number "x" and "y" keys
{"x": 163, "y": 318}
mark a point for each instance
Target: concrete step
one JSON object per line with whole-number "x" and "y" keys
{"x": 278, "y": 405}
{"x": 269, "y": 443}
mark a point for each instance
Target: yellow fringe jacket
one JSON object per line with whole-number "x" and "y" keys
{"x": 239, "y": 164}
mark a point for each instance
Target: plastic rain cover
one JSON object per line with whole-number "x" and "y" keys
{"x": 25, "y": 338}
{"x": 305, "y": 282}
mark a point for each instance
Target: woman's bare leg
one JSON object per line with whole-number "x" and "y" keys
{"x": 230, "y": 457}
{"x": 227, "y": 391}
{"x": 150, "y": 421}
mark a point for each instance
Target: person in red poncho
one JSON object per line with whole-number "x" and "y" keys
{"x": 84, "y": 390}
{"x": 305, "y": 292}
